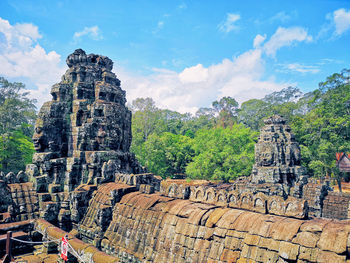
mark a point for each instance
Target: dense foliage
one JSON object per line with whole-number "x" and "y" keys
{"x": 17, "y": 115}
{"x": 222, "y": 153}
{"x": 325, "y": 129}
{"x": 218, "y": 142}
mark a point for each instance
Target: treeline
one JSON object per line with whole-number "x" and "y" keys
{"x": 218, "y": 142}
{"x": 209, "y": 145}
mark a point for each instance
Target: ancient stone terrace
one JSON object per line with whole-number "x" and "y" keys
{"x": 84, "y": 182}
{"x": 155, "y": 228}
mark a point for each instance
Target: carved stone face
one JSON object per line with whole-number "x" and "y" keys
{"x": 266, "y": 158}
{"x": 267, "y": 138}
{"x": 265, "y": 155}
{"x": 39, "y": 139}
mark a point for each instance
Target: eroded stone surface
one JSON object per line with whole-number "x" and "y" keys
{"x": 277, "y": 154}
{"x": 147, "y": 232}
{"x": 84, "y": 178}
{"x": 82, "y": 136}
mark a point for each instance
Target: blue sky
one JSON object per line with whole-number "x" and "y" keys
{"x": 183, "y": 54}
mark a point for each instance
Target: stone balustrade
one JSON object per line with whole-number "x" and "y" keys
{"x": 223, "y": 196}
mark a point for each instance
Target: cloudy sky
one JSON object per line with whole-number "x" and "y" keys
{"x": 183, "y": 54}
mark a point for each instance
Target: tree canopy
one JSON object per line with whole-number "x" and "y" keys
{"x": 215, "y": 143}
{"x": 218, "y": 142}
{"x": 17, "y": 116}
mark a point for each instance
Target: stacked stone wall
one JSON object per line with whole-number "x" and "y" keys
{"x": 26, "y": 202}
{"x": 156, "y": 228}
{"x": 99, "y": 212}
{"x": 224, "y": 196}
{"x": 336, "y": 205}
{"x": 139, "y": 179}
{"x": 20, "y": 202}
{"x": 87, "y": 252}
{"x": 315, "y": 194}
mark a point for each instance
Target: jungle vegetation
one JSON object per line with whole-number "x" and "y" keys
{"x": 216, "y": 143}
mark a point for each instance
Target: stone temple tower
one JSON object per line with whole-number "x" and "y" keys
{"x": 83, "y": 135}
{"x": 277, "y": 154}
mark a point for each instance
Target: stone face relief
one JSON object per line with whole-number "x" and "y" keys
{"x": 83, "y": 135}
{"x": 39, "y": 139}
{"x": 277, "y": 155}
{"x": 84, "y": 177}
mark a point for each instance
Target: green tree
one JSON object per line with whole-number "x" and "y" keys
{"x": 222, "y": 153}
{"x": 17, "y": 116}
{"x": 146, "y": 118}
{"x": 287, "y": 102}
{"x": 252, "y": 113}
{"x": 227, "y": 110}
{"x": 168, "y": 154}
{"x": 16, "y": 151}
{"x": 325, "y": 129}
{"x": 289, "y": 94}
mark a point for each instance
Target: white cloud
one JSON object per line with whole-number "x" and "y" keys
{"x": 341, "y": 20}
{"x": 198, "y": 86}
{"x": 281, "y": 16}
{"x": 229, "y": 24}
{"x": 285, "y": 37}
{"x": 28, "y": 30}
{"x": 194, "y": 74}
{"x": 242, "y": 77}
{"x": 22, "y": 57}
{"x": 258, "y": 40}
{"x": 92, "y": 32}
{"x": 338, "y": 22}
{"x": 302, "y": 68}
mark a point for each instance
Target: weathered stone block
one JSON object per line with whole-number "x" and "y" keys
{"x": 334, "y": 238}
{"x": 296, "y": 207}
{"x": 269, "y": 243}
{"x": 251, "y": 240}
{"x": 309, "y": 254}
{"x": 285, "y": 229}
{"x": 288, "y": 250}
{"x": 215, "y": 216}
{"x": 327, "y": 257}
{"x": 306, "y": 239}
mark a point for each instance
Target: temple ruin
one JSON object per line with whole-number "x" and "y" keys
{"x": 84, "y": 183}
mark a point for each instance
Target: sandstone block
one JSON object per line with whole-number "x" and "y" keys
{"x": 229, "y": 218}
{"x": 215, "y": 216}
{"x": 230, "y": 256}
{"x": 251, "y": 240}
{"x": 269, "y": 243}
{"x": 261, "y": 255}
{"x": 334, "y": 238}
{"x": 316, "y": 225}
{"x": 285, "y": 229}
{"x": 306, "y": 239}
{"x": 271, "y": 256}
{"x": 288, "y": 250}
{"x": 327, "y": 257}
{"x": 309, "y": 254}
